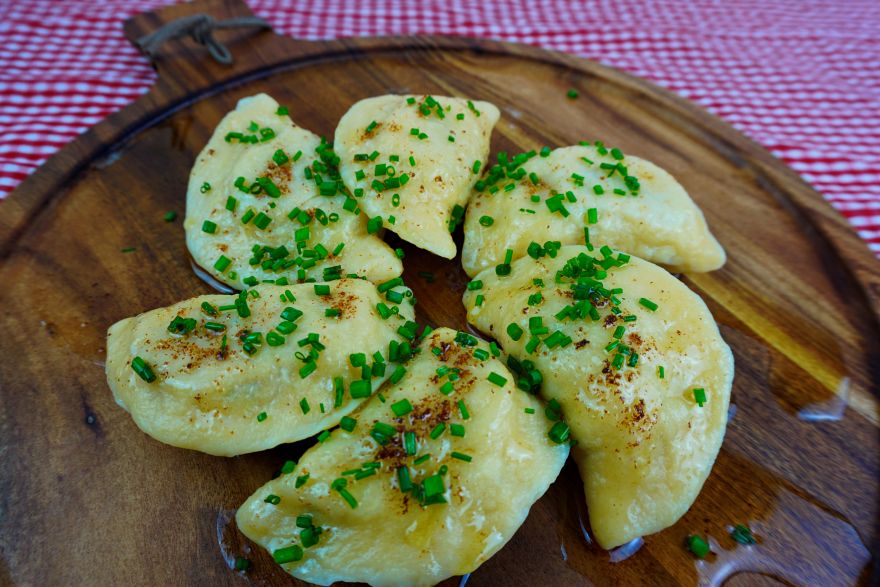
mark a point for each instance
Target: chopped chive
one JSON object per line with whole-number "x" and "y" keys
{"x": 322, "y": 290}
{"x": 497, "y": 379}
{"x": 434, "y": 486}
{"x": 529, "y": 410}
{"x": 209, "y": 227}
{"x": 661, "y": 372}
{"x": 698, "y": 546}
{"x": 486, "y": 221}
{"x": 409, "y": 443}
{"x": 514, "y": 331}
{"x": 272, "y": 498}
{"x": 560, "y": 432}
{"x": 437, "y": 431}
{"x": 304, "y": 405}
{"x": 222, "y": 263}
{"x": 572, "y": 94}
{"x": 404, "y": 480}
{"x": 422, "y": 459}
{"x": 700, "y": 396}
{"x": 360, "y": 388}
{"x": 170, "y": 216}
{"x": 374, "y": 225}
{"x": 289, "y": 554}
{"x": 462, "y": 408}
{"x": 398, "y": 374}
{"x": 461, "y": 456}
{"x": 592, "y": 216}
{"x": 143, "y": 369}
{"x": 648, "y": 304}
{"x": 743, "y": 534}
{"x": 401, "y": 408}
{"x": 347, "y": 423}
{"x": 456, "y": 430}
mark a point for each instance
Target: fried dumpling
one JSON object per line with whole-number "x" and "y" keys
{"x": 625, "y": 202}
{"x": 427, "y": 485}
{"x": 228, "y": 374}
{"x": 255, "y": 210}
{"x": 413, "y": 160}
{"x": 635, "y": 362}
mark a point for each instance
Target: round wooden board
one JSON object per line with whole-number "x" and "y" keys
{"x": 87, "y": 499}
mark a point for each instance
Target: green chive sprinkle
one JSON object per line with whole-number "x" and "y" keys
{"x": 461, "y": 456}
{"x": 289, "y": 554}
{"x": 698, "y": 546}
{"x": 497, "y": 379}
{"x": 743, "y": 534}
{"x": 261, "y": 417}
{"x": 572, "y": 94}
{"x": 143, "y": 369}
{"x": 560, "y": 432}
{"x": 648, "y": 304}
{"x": 514, "y": 331}
{"x": 347, "y": 423}
{"x": 401, "y": 408}
{"x": 700, "y": 396}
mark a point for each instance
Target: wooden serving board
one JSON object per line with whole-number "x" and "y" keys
{"x": 87, "y": 499}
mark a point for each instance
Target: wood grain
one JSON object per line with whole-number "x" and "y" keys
{"x": 87, "y": 499}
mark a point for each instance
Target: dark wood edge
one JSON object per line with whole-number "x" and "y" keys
{"x": 40, "y": 190}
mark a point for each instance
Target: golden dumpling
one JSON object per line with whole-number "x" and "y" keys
{"x": 255, "y": 210}
{"x": 637, "y": 365}
{"x": 625, "y": 202}
{"x": 426, "y": 481}
{"x": 413, "y": 160}
{"x": 228, "y": 374}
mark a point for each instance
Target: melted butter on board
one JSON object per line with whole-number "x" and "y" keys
{"x": 279, "y": 164}
{"x": 651, "y": 216}
{"x": 212, "y": 398}
{"x": 645, "y": 446}
{"x": 414, "y": 157}
{"x": 389, "y": 538}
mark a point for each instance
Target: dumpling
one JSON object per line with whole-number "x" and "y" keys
{"x": 265, "y": 203}
{"x": 635, "y": 362}
{"x": 228, "y": 374}
{"x": 413, "y": 160}
{"x": 625, "y": 202}
{"x": 428, "y": 484}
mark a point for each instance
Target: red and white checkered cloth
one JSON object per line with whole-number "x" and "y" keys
{"x": 800, "y": 77}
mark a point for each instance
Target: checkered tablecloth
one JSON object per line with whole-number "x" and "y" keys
{"x": 800, "y": 77}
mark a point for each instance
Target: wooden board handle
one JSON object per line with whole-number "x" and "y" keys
{"x": 185, "y": 63}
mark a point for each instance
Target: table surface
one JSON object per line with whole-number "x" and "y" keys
{"x": 801, "y": 78}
